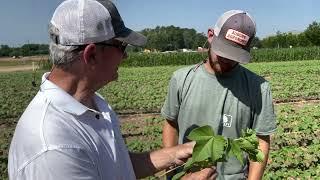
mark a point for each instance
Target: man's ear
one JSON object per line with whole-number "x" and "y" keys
{"x": 210, "y": 35}
{"x": 89, "y": 54}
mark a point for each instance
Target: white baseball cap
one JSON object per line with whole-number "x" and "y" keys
{"x": 80, "y": 22}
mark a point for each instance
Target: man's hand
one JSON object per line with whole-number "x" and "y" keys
{"x": 148, "y": 163}
{"x": 182, "y": 153}
{"x": 204, "y": 174}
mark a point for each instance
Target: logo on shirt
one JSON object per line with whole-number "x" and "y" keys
{"x": 227, "y": 120}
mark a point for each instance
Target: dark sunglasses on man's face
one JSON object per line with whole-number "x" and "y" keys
{"x": 122, "y": 46}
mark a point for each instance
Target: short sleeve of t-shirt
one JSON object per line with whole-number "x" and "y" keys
{"x": 265, "y": 120}
{"x": 170, "y": 109}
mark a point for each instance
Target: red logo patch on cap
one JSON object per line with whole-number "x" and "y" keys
{"x": 237, "y": 37}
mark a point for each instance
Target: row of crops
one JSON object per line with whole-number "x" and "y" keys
{"x": 188, "y": 58}
{"x": 143, "y": 89}
{"x": 296, "y": 145}
{"x": 258, "y": 55}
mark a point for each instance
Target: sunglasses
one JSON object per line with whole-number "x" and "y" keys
{"x": 122, "y": 46}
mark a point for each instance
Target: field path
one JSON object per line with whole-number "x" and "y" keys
{"x": 15, "y": 68}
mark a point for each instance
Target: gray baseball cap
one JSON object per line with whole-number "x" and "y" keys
{"x": 233, "y": 34}
{"x": 79, "y": 22}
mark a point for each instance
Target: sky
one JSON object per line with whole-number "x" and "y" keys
{"x": 26, "y": 21}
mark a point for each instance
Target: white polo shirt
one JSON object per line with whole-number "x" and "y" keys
{"x": 59, "y": 138}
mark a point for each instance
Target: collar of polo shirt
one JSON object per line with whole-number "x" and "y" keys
{"x": 63, "y": 100}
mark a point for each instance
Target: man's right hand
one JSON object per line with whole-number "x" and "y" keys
{"x": 204, "y": 174}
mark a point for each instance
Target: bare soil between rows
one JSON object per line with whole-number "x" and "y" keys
{"x": 140, "y": 116}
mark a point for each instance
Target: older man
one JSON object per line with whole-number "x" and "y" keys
{"x": 70, "y": 132}
{"x": 223, "y": 94}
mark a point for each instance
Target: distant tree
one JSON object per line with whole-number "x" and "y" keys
{"x": 167, "y": 38}
{"x": 199, "y": 41}
{"x": 5, "y": 50}
{"x": 189, "y": 36}
{"x": 269, "y": 42}
{"x": 34, "y": 49}
{"x": 303, "y": 41}
{"x": 313, "y": 33}
{"x": 16, "y": 52}
{"x": 256, "y": 43}
{"x": 291, "y": 40}
{"x": 280, "y": 40}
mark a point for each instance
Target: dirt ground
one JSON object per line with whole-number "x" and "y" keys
{"x": 19, "y": 64}
{"x": 27, "y": 58}
{"x": 135, "y": 118}
{"x": 15, "y": 68}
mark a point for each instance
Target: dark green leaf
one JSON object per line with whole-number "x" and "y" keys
{"x": 236, "y": 151}
{"x": 201, "y": 133}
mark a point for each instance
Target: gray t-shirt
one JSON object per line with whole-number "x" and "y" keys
{"x": 230, "y": 102}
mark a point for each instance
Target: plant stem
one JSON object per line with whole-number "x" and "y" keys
{"x": 172, "y": 169}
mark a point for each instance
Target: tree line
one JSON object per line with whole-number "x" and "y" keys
{"x": 25, "y": 50}
{"x": 307, "y": 38}
{"x": 169, "y": 38}
{"x": 172, "y": 38}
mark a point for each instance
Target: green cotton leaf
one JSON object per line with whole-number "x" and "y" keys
{"x": 218, "y": 148}
{"x": 256, "y": 156}
{"x": 201, "y": 133}
{"x": 202, "y": 150}
{"x": 260, "y": 156}
{"x": 250, "y": 135}
{"x": 214, "y": 148}
{"x": 236, "y": 151}
{"x": 248, "y": 141}
{"x": 210, "y": 149}
{"x": 246, "y": 145}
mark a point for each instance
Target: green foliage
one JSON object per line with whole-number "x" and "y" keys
{"x": 249, "y": 144}
{"x": 4, "y": 50}
{"x": 211, "y": 148}
{"x": 162, "y": 59}
{"x": 256, "y": 42}
{"x": 285, "y": 40}
{"x": 143, "y": 135}
{"x": 188, "y": 58}
{"x": 285, "y": 54}
{"x": 208, "y": 145}
{"x": 173, "y": 38}
{"x": 25, "y": 50}
{"x": 144, "y": 89}
{"x": 313, "y": 33}
{"x": 296, "y": 145}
